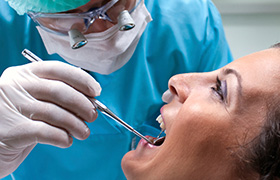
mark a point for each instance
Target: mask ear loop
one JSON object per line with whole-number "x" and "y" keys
{"x": 77, "y": 39}
{"x": 125, "y": 21}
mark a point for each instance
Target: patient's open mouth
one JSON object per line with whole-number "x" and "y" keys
{"x": 159, "y": 140}
{"x": 156, "y": 141}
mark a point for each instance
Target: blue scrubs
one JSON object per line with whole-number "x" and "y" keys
{"x": 184, "y": 36}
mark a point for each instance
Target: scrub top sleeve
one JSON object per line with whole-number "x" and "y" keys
{"x": 216, "y": 52}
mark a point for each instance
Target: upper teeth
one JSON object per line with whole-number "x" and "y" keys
{"x": 159, "y": 120}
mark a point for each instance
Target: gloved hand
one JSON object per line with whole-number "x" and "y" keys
{"x": 43, "y": 102}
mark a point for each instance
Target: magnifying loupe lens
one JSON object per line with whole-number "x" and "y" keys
{"x": 77, "y": 39}
{"x": 125, "y": 21}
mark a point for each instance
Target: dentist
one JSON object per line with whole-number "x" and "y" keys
{"x": 130, "y": 48}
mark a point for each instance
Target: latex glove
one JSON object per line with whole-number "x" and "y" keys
{"x": 43, "y": 102}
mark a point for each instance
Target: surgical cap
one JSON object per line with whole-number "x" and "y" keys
{"x": 45, "y": 6}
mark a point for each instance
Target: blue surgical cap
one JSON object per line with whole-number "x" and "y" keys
{"x": 45, "y": 6}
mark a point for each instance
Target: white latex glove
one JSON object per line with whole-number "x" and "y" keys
{"x": 43, "y": 102}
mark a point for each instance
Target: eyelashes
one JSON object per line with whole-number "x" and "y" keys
{"x": 220, "y": 89}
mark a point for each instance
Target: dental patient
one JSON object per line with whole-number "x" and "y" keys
{"x": 220, "y": 125}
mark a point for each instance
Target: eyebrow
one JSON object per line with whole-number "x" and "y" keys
{"x": 228, "y": 71}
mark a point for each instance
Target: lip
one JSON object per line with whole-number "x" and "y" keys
{"x": 145, "y": 149}
{"x": 161, "y": 109}
{"x": 145, "y": 144}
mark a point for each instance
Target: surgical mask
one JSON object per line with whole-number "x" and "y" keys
{"x": 106, "y": 51}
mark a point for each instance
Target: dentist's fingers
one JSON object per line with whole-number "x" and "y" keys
{"x": 62, "y": 95}
{"x": 43, "y": 102}
{"x": 73, "y": 76}
{"x": 57, "y": 117}
{"x": 33, "y": 132}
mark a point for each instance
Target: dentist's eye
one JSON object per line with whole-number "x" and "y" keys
{"x": 220, "y": 89}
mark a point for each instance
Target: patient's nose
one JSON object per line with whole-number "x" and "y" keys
{"x": 182, "y": 85}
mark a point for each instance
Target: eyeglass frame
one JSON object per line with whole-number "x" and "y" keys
{"x": 90, "y": 16}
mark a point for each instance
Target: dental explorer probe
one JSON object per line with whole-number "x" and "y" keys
{"x": 97, "y": 104}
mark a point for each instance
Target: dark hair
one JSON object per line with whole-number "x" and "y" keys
{"x": 277, "y": 45}
{"x": 262, "y": 154}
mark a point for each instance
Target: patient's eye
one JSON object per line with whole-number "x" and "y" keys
{"x": 220, "y": 89}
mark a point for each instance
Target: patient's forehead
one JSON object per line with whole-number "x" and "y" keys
{"x": 262, "y": 62}
{"x": 260, "y": 71}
